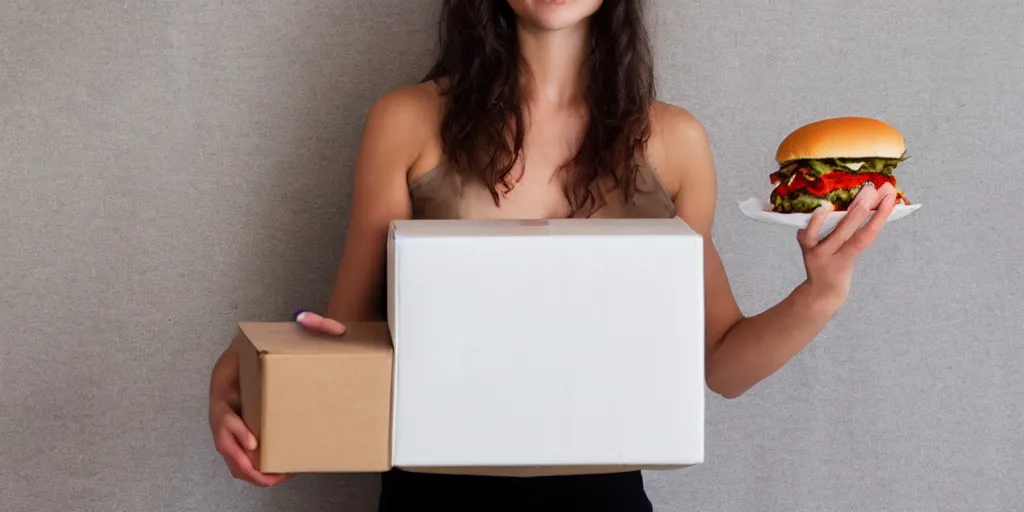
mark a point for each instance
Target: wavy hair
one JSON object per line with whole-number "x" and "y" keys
{"x": 484, "y": 120}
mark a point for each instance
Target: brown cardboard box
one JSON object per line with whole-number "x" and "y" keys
{"x": 317, "y": 403}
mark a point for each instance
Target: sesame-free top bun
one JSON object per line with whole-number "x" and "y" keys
{"x": 842, "y": 137}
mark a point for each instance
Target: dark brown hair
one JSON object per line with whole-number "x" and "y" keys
{"x": 483, "y": 128}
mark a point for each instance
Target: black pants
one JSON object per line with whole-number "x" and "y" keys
{"x": 403, "y": 491}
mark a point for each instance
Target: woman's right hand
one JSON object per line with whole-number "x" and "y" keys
{"x": 237, "y": 444}
{"x": 233, "y": 439}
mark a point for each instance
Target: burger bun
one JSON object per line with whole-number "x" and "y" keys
{"x": 842, "y": 137}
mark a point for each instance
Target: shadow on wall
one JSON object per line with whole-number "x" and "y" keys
{"x": 329, "y": 70}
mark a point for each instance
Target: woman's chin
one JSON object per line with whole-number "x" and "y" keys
{"x": 554, "y": 14}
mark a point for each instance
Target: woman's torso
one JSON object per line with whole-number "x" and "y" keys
{"x": 436, "y": 192}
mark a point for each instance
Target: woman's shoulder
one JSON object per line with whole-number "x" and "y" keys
{"x": 420, "y": 102}
{"x": 406, "y": 120}
{"x": 674, "y": 117}
{"x": 679, "y": 144}
{"x": 675, "y": 128}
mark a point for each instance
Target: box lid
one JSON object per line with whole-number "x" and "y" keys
{"x": 542, "y": 227}
{"x": 291, "y": 338}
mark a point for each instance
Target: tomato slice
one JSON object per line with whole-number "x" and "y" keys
{"x": 822, "y": 185}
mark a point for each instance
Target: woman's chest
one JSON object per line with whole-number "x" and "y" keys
{"x": 537, "y": 185}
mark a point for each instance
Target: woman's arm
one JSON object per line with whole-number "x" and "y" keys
{"x": 398, "y": 128}
{"x": 391, "y": 142}
{"x": 742, "y": 351}
{"x": 393, "y": 136}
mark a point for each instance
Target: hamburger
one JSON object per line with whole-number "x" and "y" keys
{"x": 830, "y": 160}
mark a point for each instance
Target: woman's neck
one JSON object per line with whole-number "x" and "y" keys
{"x": 553, "y": 64}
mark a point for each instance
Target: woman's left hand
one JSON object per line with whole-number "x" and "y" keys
{"x": 829, "y": 261}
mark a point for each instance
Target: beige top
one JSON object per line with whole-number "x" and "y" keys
{"x": 440, "y": 194}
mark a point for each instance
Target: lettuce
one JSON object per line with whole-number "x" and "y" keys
{"x": 803, "y": 202}
{"x": 824, "y": 166}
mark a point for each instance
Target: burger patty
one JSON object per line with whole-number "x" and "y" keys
{"x": 804, "y": 185}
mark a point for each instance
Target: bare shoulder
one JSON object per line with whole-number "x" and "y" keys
{"x": 673, "y": 118}
{"x": 679, "y": 142}
{"x": 404, "y": 122}
{"x": 407, "y": 110}
{"x": 409, "y": 101}
{"x": 681, "y": 151}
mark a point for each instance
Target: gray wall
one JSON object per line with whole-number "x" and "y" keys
{"x": 167, "y": 168}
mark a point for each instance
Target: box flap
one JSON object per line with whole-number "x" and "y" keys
{"x": 291, "y": 338}
{"x": 541, "y": 227}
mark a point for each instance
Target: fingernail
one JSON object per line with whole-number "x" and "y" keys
{"x": 252, "y": 443}
{"x": 297, "y": 315}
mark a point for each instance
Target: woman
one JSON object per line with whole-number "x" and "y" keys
{"x": 542, "y": 109}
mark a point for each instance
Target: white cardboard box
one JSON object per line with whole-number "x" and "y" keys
{"x": 566, "y": 346}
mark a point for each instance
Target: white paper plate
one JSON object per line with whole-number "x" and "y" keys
{"x": 760, "y": 210}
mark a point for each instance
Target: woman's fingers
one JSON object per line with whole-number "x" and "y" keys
{"x": 858, "y": 212}
{"x": 865, "y": 236}
{"x": 237, "y": 428}
{"x": 235, "y": 456}
{"x": 316, "y": 322}
{"x": 809, "y": 236}
{"x": 886, "y": 189}
{"x": 233, "y": 443}
{"x": 255, "y": 477}
{"x": 242, "y": 468}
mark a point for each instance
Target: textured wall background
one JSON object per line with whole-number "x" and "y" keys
{"x": 171, "y": 167}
